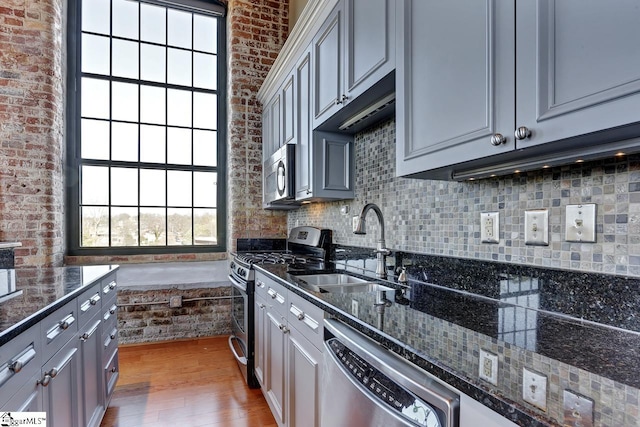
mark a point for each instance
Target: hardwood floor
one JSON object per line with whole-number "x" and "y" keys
{"x": 192, "y": 383}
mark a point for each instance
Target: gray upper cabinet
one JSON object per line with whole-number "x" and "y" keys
{"x": 455, "y": 86}
{"x": 332, "y": 170}
{"x": 470, "y": 74}
{"x": 304, "y": 158}
{"x": 352, "y": 51}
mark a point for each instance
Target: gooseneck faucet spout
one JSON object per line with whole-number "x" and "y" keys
{"x": 381, "y": 250}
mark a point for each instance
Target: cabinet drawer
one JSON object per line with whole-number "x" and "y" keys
{"x": 58, "y": 328}
{"x": 89, "y": 304}
{"x": 20, "y": 359}
{"x": 109, "y": 289}
{"x": 307, "y": 319}
{"x": 109, "y": 316}
{"x": 111, "y": 374}
{"x": 27, "y": 399}
{"x": 109, "y": 340}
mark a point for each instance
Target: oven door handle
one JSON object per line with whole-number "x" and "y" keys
{"x": 242, "y": 360}
{"x": 237, "y": 284}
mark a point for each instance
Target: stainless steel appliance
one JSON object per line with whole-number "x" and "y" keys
{"x": 279, "y": 172}
{"x": 367, "y": 385}
{"x": 307, "y": 248}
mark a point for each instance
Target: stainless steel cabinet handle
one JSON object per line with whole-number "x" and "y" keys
{"x": 113, "y": 369}
{"x": 94, "y": 299}
{"x": 24, "y": 358}
{"x": 344, "y": 98}
{"x": 66, "y": 322}
{"x": 260, "y": 283}
{"x": 498, "y": 139}
{"x": 301, "y": 316}
{"x": 113, "y": 309}
{"x": 112, "y": 285}
{"x": 261, "y": 305}
{"x": 45, "y": 380}
{"x": 273, "y": 294}
{"x": 283, "y": 328}
{"x": 522, "y": 132}
{"x": 53, "y": 372}
{"x": 338, "y": 101}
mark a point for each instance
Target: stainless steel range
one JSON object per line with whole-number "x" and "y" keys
{"x": 307, "y": 248}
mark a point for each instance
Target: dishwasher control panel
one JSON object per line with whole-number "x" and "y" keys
{"x": 396, "y": 398}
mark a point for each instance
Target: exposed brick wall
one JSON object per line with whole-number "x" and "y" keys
{"x": 256, "y": 32}
{"x": 32, "y": 74}
{"x": 150, "y": 323}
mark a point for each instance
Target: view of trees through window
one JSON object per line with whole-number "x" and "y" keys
{"x": 148, "y": 146}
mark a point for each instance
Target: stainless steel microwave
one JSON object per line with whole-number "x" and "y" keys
{"x": 278, "y": 175}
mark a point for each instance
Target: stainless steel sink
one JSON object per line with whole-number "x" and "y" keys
{"x": 340, "y": 283}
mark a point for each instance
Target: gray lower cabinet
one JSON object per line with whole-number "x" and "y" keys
{"x": 475, "y": 96}
{"x": 63, "y": 365}
{"x": 288, "y": 363}
{"x": 61, "y": 386}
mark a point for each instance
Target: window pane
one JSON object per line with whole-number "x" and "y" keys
{"x": 205, "y": 33}
{"x": 179, "y": 67}
{"x": 180, "y": 228}
{"x": 179, "y": 146}
{"x": 95, "y": 139}
{"x": 179, "y": 188}
{"x": 95, "y": 98}
{"x": 179, "y": 29}
{"x": 124, "y": 186}
{"x": 95, "y": 226}
{"x": 205, "y": 111}
{"x": 205, "y": 189}
{"x": 152, "y": 63}
{"x": 95, "y": 54}
{"x": 204, "y": 71}
{"x": 95, "y": 16}
{"x": 152, "y": 105}
{"x": 124, "y": 102}
{"x": 125, "y": 19}
{"x": 205, "y": 226}
{"x": 125, "y": 59}
{"x": 179, "y": 107}
{"x": 153, "y": 23}
{"x": 124, "y": 226}
{"x": 124, "y": 142}
{"x": 95, "y": 185}
{"x": 152, "y": 144}
{"x": 152, "y": 187}
{"x": 204, "y": 148}
{"x": 153, "y": 229}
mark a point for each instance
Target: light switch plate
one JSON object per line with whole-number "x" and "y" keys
{"x": 536, "y": 227}
{"x": 580, "y": 223}
{"x": 490, "y": 227}
{"x": 488, "y": 370}
{"x": 578, "y": 410}
{"x": 534, "y": 388}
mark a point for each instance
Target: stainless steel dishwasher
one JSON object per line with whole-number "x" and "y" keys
{"x": 365, "y": 385}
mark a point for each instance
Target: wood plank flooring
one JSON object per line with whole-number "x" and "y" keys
{"x": 193, "y": 383}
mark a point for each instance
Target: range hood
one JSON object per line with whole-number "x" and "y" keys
{"x": 375, "y": 105}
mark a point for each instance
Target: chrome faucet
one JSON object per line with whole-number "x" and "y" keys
{"x": 381, "y": 251}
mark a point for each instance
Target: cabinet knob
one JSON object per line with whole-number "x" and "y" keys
{"x": 45, "y": 380}
{"x": 498, "y": 139}
{"x": 301, "y": 316}
{"x": 283, "y": 328}
{"x": 16, "y": 366}
{"x": 113, "y": 369}
{"x": 261, "y": 306}
{"x": 522, "y": 132}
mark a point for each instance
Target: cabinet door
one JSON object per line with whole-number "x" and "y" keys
{"x": 27, "y": 399}
{"x": 91, "y": 359}
{"x": 276, "y": 124}
{"x": 369, "y": 43}
{"x": 260, "y": 311}
{"x": 266, "y": 132}
{"x": 327, "y": 57}
{"x": 305, "y": 367}
{"x": 61, "y": 384}
{"x": 454, "y": 81}
{"x": 275, "y": 369}
{"x": 332, "y": 166}
{"x": 288, "y": 111}
{"x": 578, "y": 68}
{"x": 304, "y": 155}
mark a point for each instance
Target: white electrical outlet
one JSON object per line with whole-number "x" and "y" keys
{"x": 489, "y": 227}
{"x": 578, "y": 410}
{"x": 488, "y": 370}
{"x": 536, "y": 227}
{"x": 354, "y": 307}
{"x": 534, "y": 388}
{"x": 354, "y": 223}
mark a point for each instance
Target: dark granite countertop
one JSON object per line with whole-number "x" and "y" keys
{"x": 556, "y": 313}
{"x": 41, "y": 290}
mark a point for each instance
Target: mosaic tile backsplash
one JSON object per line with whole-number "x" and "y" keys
{"x": 443, "y": 217}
